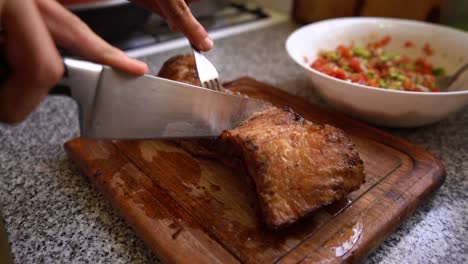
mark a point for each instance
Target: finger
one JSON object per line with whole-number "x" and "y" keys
{"x": 32, "y": 56}
{"x": 178, "y": 14}
{"x": 151, "y": 5}
{"x": 173, "y": 27}
{"x": 74, "y": 35}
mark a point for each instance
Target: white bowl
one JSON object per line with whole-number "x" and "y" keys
{"x": 376, "y": 105}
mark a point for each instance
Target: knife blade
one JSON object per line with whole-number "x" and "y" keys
{"x": 116, "y": 105}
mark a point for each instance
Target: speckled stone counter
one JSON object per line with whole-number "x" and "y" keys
{"x": 53, "y": 215}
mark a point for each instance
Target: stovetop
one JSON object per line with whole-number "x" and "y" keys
{"x": 155, "y": 36}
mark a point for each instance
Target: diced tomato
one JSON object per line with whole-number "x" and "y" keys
{"x": 355, "y": 64}
{"x": 408, "y": 44}
{"x": 427, "y": 49}
{"x": 420, "y": 61}
{"x": 326, "y": 69}
{"x": 384, "y": 73}
{"x": 380, "y": 67}
{"x": 318, "y": 62}
{"x": 407, "y": 84}
{"x": 380, "y": 43}
{"x": 417, "y": 89}
{"x": 436, "y": 89}
{"x": 344, "y": 51}
{"x": 340, "y": 74}
{"x": 359, "y": 78}
{"x": 372, "y": 83}
{"x": 422, "y": 66}
{"x": 403, "y": 59}
{"x": 385, "y": 41}
{"x": 426, "y": 70}
{"x": 429, "y": 80}
{"x": 342, "y": 62}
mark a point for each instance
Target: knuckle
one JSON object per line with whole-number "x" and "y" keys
{"x": 179, "y": 11}
{"x": 56, "y": 72}
{"x": 50, "y": 72}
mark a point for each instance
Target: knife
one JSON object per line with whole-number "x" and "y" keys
{"x": 116, "y": 105}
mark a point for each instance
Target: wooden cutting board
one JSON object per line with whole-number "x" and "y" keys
{"x": 195, "y": 210}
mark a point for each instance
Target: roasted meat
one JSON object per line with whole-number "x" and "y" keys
{"x": 296, "y": 166}
{"x": 180, "y": 68}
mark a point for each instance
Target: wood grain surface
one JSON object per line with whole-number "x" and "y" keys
{"x": 189, "y": 209}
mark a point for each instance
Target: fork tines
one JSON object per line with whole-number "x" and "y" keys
{"x": 207, "y": 73}
{"x": 212, "y": 84}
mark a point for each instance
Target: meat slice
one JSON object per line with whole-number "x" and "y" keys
{"x": 297, "y": 166}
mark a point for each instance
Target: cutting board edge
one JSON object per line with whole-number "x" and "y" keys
{"x": 427, "y": 188}
{"x": 401, "y": 216}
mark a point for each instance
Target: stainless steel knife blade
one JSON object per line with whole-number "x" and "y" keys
{"x": 121, "y": 106}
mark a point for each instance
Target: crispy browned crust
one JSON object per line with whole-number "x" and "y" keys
{"x": 297, "y": 166}
{"x": 180, "y": 68}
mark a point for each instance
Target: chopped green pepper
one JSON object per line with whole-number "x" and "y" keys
{"x": 387, "y": 56}
{"x": 382, "y": 84}
{"x": 396, "y": 76}
{"x": 361, "y": 52}
{"x": 346, "y": 68}
{"x": 332, "y": 55}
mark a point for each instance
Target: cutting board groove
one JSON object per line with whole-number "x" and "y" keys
{"x": 197, "y": 210}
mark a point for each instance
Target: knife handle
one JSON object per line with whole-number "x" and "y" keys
{"x": 58, "y": 89}
{"x": 64, "y": 87}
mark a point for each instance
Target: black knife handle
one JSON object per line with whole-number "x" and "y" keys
{"x": 60, "y": 89}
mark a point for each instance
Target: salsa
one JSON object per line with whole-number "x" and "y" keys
{"x": 372, "y": 66}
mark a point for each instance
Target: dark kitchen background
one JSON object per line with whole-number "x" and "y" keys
{"x": 139, "y": 32}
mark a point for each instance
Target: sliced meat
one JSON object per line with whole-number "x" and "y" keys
{"x": 297, "y": 166}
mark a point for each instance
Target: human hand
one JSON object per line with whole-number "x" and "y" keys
{"x": 179, "y": 18}
{"x": 30, "y": 31}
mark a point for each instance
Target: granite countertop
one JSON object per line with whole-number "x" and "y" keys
{"x": 53, "y": 215}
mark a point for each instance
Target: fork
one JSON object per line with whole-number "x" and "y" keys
{"x": 445, "y": 83}
{"x": 207, "y": 73}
